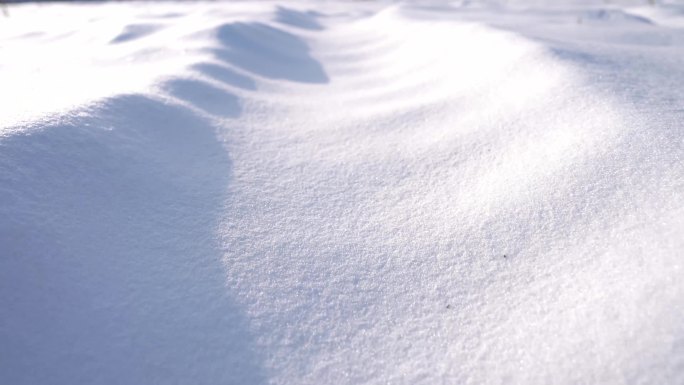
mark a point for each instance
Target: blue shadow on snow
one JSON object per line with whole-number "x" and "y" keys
{"x": 269, "y": 52}
{"x": 110, "y": 273}
{"x": 204, "y": 96}
{"x": 294, "y": 18}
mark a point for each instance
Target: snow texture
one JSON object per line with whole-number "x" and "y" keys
{"x": 332, "y": 192}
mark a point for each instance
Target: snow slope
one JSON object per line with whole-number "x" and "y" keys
{"x": 342, "y": 192}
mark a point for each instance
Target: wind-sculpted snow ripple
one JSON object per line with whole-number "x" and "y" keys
{"x": 415, "y": 193}
{"x": 456, "y": 201}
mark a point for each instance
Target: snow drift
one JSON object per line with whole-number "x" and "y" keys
{"x": 306, "y": 193}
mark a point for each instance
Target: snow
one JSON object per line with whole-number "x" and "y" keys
{"x": 313, "y": 192}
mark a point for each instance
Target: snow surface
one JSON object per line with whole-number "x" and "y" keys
{"x": 445, "y": 192}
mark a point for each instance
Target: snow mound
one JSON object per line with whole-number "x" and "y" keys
{"x": 366, "y": 192}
